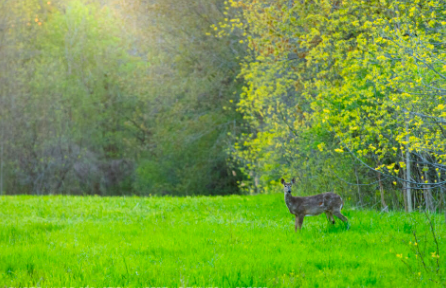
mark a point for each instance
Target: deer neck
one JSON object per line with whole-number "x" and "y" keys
{"x": 288, "y": 199}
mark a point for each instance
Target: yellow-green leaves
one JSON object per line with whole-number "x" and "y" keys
{"x": 366, "y": 75}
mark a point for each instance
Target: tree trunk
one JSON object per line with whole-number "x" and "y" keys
{"x": 359, "y": 189}
{"x": 443, "y": 201}
{"x": 404, "y": 192}
{"x": 428, "y": 195}
{"x": 442, "y": 197}
{"x": 385, "y": 208}
{"x": 408, "y": 192}
{"x": 1, "y": 162}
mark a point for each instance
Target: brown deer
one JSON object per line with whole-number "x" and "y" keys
{"x": 330, "y": 203}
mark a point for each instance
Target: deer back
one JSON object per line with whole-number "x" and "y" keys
{"x": 315, "y": 205}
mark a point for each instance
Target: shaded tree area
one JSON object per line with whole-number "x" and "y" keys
{"x": 115, "y": 98}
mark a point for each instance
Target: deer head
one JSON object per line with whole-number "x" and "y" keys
{"x": 287, "y": 186}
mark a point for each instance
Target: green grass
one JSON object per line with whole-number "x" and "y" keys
{"x": 236, "y": 241}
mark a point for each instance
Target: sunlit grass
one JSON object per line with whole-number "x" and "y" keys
{"x": 237, "y": 241}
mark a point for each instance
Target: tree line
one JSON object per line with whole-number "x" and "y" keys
{"x": 221, "y": 97}
{"x": 347, "y": 96}
{"x": 114, "y": 97}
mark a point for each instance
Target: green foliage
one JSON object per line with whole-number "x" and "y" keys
{"x": 193, "y": 81}
{"x": 341, "y": 85}
{"x": 112, "y": 103}
{"x": 235, "y": 241}
{"x": 71, "y": 98}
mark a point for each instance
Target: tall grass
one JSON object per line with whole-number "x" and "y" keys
{"x": 236, "y": 241}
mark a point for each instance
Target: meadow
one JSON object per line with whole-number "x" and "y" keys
{"x": 233, "y": 241}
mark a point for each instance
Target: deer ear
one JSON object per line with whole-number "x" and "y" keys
{"x": 282, "y": 181}
{"x": 293, "y": 181}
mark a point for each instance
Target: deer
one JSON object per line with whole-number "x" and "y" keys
{"x": 329, "y": 203}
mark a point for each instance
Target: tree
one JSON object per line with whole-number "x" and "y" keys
{"x": 345, "y": 77}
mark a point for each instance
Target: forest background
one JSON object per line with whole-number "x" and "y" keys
{"x": 225, "y": 97}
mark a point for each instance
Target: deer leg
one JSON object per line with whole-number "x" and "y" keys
{"x": 342, "y": 217}
{"x": 296, "y": 224}
{"x": 330, "y": 217}
{"x": 299, "y": 221}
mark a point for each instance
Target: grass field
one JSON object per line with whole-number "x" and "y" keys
{"x": 236, "y": 241}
